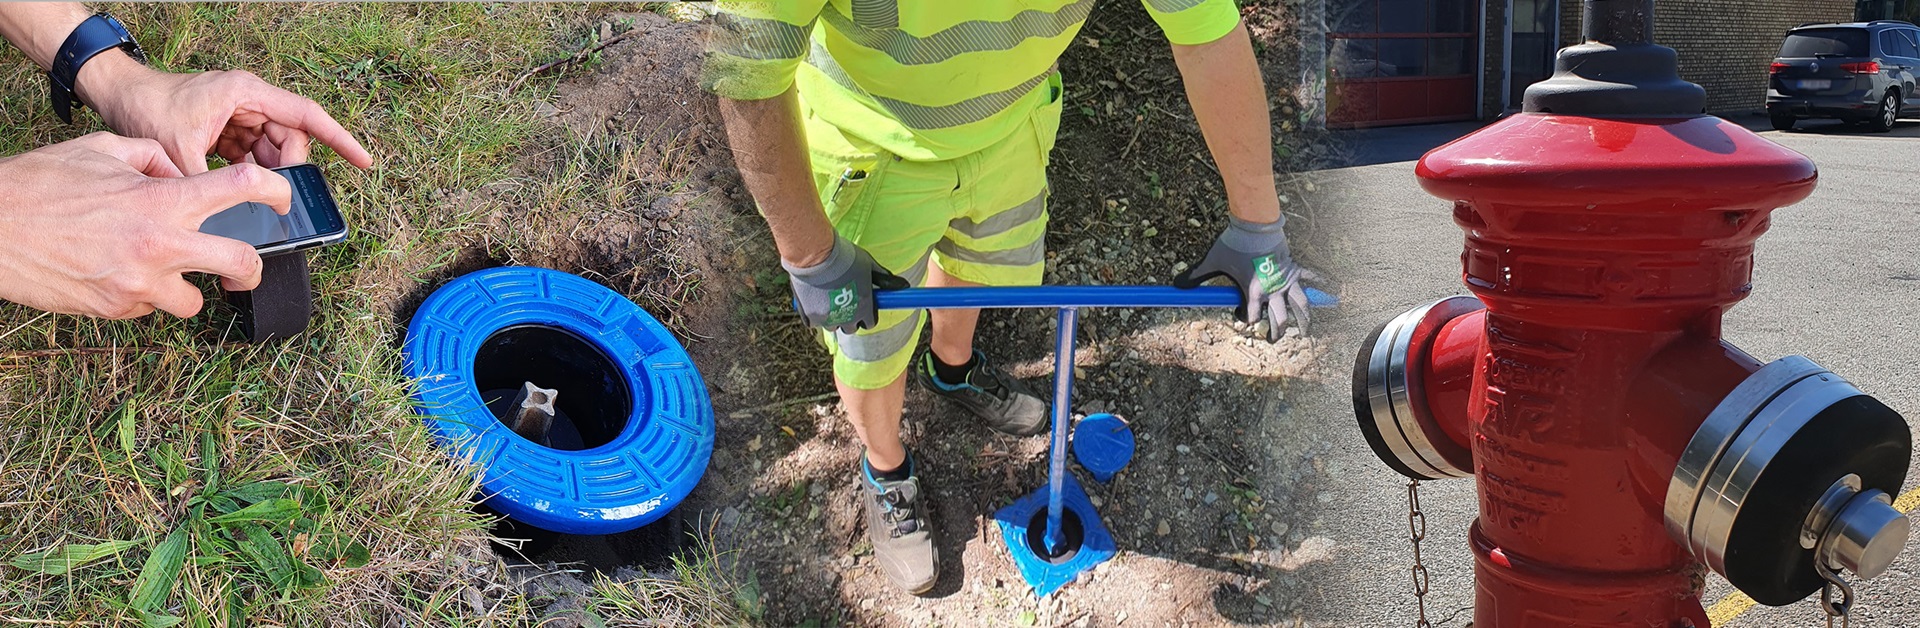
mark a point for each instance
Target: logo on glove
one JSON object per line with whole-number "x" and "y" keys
{"x": 1268, "y": 274}
{"x": 845, "y": 307}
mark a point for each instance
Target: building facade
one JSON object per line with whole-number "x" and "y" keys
{"x": 1414, "y": 61}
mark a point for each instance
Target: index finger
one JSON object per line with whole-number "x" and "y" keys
{"x": 142, "y": 154}
{"x": 297, "y": 112}
{"x": 203, "y": 195}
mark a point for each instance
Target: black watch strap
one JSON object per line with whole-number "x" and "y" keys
{"x": 97, "y": 34}
{"x": 282, "y": 304}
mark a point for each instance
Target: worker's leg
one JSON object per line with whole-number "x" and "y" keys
{"x": 996, "y": 239}
{"x": 896, "y": 210}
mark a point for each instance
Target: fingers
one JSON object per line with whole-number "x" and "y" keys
{"x": 1276, "y": 317}
{"x": 883, "y": 280}
{"x": 292, "y": 111}
{"x": 178, "y": 297}
{"x": 142, "y": 154}
{"x": 204, "y": 195}
{"x": 233, "y": 260}
{"x": 1298, "y": 303}
{"x": 280, "y": 146}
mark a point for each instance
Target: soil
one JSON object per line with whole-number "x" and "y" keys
{"x": 1214, "y": 517}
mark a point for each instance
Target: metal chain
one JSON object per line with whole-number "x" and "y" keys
{"x": 1417, "y": 528}
{"x": 1827, "y": 605}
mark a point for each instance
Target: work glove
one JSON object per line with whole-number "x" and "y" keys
{"x": 837, "y": 294}
{"x": 1255, "y": 257}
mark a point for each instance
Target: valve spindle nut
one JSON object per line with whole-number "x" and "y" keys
{"x": 1867, "y": 535}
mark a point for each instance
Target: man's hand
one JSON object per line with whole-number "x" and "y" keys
{"x": 837, "y": 294}
{"x": 1255, "y": 257}
{"x": 105, "y": 225}
{"x": 233, "y": 114}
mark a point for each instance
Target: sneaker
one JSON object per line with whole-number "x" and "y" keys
{"x": 1005, "y": 404}
{"x": 897, "y": 526}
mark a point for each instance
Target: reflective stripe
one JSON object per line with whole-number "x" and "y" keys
{"x": 924, "y": 117}
{"x": 1004, "y": 221}
{"x": 875, "y": 13}
{"x": 1174, "y": 6}
{"x": 1024, "y": 256}
{"x": 918, "y": 272}
{"x": 973, "y": 36}
{"x": 874, "y": 346}
{"x": 755, "y": 38}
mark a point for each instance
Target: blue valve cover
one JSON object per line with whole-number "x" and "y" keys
{"x": 644, "y": 472}
{"x": 1103, "y": 444}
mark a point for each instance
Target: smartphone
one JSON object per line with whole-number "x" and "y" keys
{"x": 313, "y": 221}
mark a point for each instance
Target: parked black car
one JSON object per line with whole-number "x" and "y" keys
{"x": 1861, "y": 72}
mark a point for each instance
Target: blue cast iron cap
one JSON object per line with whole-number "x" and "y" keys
{"x": 633, "y": 479}
{"x": 1103, "y": 444}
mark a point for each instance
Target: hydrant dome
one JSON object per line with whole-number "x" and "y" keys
{"x": 642, "y": 410}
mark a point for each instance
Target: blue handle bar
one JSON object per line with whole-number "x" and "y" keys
{"x": 1070, "y": 296}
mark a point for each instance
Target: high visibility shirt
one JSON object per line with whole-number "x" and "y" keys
{"x": 923, "y": 79}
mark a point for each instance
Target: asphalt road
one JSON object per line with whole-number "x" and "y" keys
{"x": 1837, "y": 280}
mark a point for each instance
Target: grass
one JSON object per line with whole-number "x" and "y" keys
{"x": 152, "y": 474}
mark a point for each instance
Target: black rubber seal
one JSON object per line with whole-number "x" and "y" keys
{"x": 1073, "y": 536}
{"x": 1857, "y": 435}
{"x": 281, "y": 306}
{"x": 1363, "y": 408}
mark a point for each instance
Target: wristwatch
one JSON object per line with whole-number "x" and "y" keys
{"x": 99, "y": 33}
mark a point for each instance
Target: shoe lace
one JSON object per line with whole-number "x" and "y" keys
{"x": 898, "y": 511}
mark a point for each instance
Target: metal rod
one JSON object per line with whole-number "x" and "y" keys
{"x": 1618, "y": 22}
{"x": 1056, "y": 297}
{"x": 1062, "y": 413}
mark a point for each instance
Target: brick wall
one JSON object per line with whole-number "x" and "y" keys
{"x": 1724, "y": 45}
{"x": 1493, "y": 65}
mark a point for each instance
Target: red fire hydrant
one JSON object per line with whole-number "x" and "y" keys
{"x": 1620, "y": 445}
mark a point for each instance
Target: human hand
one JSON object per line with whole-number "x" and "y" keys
{"x": 233, "y": 114}
{"x": 1255, "y": 257}
{"x": 105, "y": 225}
{"x": 837, "y": 294}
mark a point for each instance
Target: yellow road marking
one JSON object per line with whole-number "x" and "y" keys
{"x": 1736, "y": 603}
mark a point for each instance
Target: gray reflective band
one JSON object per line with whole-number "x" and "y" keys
{"x": 924, "y": 117}
{"x": 918, "y": 272}
{"x": 1004, "y": 221}
{"x": 1024, "y": 256}
{"x": 974, "y": 36}
{"x": 874, "y": 346}
{"x": 874, "y": 13}
{"x": 1173, "y": 6}
{"x": 755, "y": 38}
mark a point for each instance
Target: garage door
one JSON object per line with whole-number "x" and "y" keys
{"x": 1402, "y": 61}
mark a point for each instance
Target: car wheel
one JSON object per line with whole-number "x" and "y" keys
{"x": 1882, "y": 121}
{"x": 1782, "y": 121}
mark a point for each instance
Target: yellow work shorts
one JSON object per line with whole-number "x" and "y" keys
{"x": 981, "y": 217}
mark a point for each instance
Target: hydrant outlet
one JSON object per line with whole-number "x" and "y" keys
{"x": 1410, "y": 383}
{"x": 1790, "y": 469}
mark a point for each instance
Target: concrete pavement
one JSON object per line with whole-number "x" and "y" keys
{"x": 1837, "y": 279}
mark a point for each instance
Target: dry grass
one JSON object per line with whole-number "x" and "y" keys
{"x": 151, "y": 473}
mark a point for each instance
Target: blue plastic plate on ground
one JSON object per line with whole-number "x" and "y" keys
{"x": 1045, "y": 576}
{"x": 638, "y": 475}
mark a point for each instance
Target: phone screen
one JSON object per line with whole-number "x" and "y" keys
{"x": 313, "y": 214}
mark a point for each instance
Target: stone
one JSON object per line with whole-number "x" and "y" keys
{"x": 1163, "y": 528}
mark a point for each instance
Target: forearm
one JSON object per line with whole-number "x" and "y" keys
{"x": 39, "y": 28}
{"x": 770, "y": 151}
{"x": 1229, "y": 100}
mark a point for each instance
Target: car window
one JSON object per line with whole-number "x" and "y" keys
{"x": 1825, "y": 42}
{"x": 1909, "y": 44}
{"x": 1894, "y": 43}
